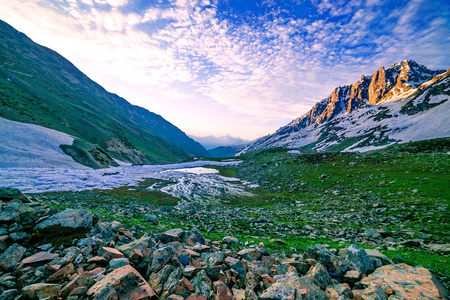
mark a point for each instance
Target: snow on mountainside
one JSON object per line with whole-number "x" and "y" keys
{"x": 28, "y": 145}
{"x": 405, "y": 102}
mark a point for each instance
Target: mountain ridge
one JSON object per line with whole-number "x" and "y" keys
{"x": 41, "y": 87}
{"x": 402, "y": 82}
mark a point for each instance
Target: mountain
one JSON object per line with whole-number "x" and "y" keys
{"x": 226, "y": 151}
{"x": 41, "y": 87}
{"x": 211, "y": 142}
{"x": 405, "y": 102}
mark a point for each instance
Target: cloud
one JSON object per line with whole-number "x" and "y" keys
{"x": 269, "y": 67}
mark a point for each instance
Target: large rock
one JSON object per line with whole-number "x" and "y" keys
{"x": 359, "y": 258}
{"x": 236, "y": 265}
{"x": 78, "y": 286}
{"x": 141, "y": 244}
{"x": 319, "y": 275}
{"x": 38, "y": 259}
{"x": 173, "y": 235}
{"x": 8, "y": 194}
{"x": 161, "y": 257}
{"x": 74, "y": 218}
{"x": 202, "y": 284}
{"x": 125, "y": 283}
{"x": 16, "y": 212}
{"x": 290, "y": 286}
{"x": 406, "y": 282}
{"x": 41, "y": 291}
{"x": 374, "y": 253}
{"x": 11, "y": 257}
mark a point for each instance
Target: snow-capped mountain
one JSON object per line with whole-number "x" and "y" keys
{"x": 405, "y": 102}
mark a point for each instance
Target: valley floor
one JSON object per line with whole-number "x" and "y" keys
{"x": 396, "y": 200}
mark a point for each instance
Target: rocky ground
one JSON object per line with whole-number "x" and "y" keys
{"x": 50, "y": 253}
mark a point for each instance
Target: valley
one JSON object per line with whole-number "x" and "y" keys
{"x": 395, "y": 200}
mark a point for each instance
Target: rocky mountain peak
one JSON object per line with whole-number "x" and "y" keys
{"x": 372, "y": 99}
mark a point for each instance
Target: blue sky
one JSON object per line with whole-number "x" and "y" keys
{"x": 233, "y": 67}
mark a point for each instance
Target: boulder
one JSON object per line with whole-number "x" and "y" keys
{"x": 202, "y": 284}
{"x": 141, "y": 244}
{"x": 173, "y": 235}
{"x": 373, "y": 292}
{"x": 230, "y": 240}
{"x": 11, "y": 257}
{"x": 109, "y": 253}
{"x": 290, "y": 286}
{"x": 406, "y": 282}
{"x": 193, "y": 237}
{"x": 250, "y": 254}
{"x": 124, "y": 283}
{"x": 41, "y": 291}
{"x": 222, "y": 291}
{"x": 39, "y": 259}
{"x": 78, "y": 286}
{"x": 374, "y": 253}
{"x": 236, "y": 265}
{"x": 150, "y": 218}
{"x": 117, "y": 263}
{"x": 8, "y": 194}
{"x": 161, "y": 257}
{"x": 61, "y": 273}
{"x": 319, "y": 275}
{"x": 16, "y": 212}
{"x": 356, "y": 255}
{"x": 73, "y": 218}
{"x": 339, "y": 291}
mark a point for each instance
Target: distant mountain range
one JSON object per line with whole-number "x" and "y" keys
{"x": 211, "y": 142}
{"x": 39, "y": 86}
{"x": 405, "y": 102}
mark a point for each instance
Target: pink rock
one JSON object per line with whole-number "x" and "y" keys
{"x": 126, "y": 282}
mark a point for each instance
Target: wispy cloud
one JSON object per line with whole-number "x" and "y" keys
{"x": 267, "y": 67}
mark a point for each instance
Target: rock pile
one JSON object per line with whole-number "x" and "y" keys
{"x": 108, "y": 261}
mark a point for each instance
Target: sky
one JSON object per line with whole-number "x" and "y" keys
{"x": 233, "y": 68}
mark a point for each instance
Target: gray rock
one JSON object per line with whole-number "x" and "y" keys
{"x": 290, "y": 286}
{"x": 236, "y": 265}
{"x": 161, "y": 257}
{"x": 359, "y": 258}
{"x": 11, "y": 257}
{"x": 9, "y": 294}
{"x": 230, "y": 240}
{"x": 150, "y": 218}
{"x": 202, "y": 284}
{"x": 141, "y": 244}
{"x": 118, "y": 263}
{"x": 8, "y": 194}
{"x": 173, "y": 235}
{"x": 74, "y": 218}
{"x": 16, "y": 212}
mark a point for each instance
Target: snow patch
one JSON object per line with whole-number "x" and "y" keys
{"x": 438, "y": 99}
{"x": 29, "y": 145}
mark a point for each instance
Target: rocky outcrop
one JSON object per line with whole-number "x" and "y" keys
{"x": 405, "y": 282}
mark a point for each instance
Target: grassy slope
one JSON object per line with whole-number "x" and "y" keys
{"x": 39, "y": 86}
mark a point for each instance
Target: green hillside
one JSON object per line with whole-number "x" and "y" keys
{"x": 39, "y": 86}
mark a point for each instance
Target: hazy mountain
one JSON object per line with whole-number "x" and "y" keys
{"x": 41, "y": 87}
{"x": 227, "y": 151}
{"x": 405, "y": 102}
{"x": 211, "y": 142}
